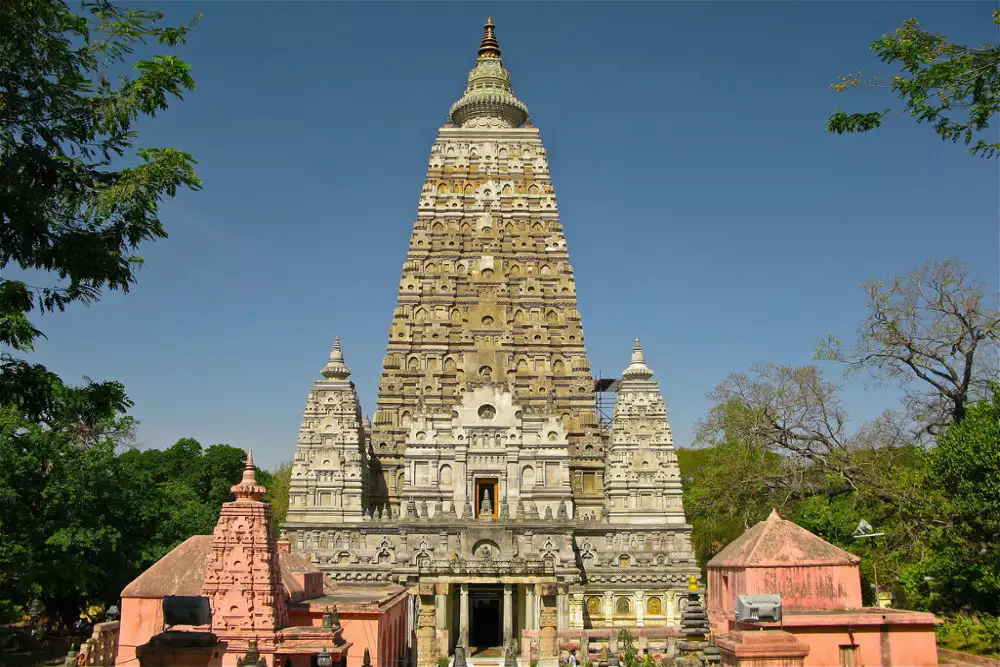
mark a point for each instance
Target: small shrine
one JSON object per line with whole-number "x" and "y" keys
{"x": 823, "y": 620}
{"x": 269, "y": 607}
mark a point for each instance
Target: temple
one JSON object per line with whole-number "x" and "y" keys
{"x": 487, "y": 484}
{"x": 267, "y": 606}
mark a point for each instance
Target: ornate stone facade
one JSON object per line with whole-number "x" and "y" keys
{"x": 486, "y": 471}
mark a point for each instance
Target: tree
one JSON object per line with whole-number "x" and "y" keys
{"x": 795, "y": 414}
{"x": 69, "y": 207}
{"x": 931, "y": 328}
{"x": 626, "y": 649}
{"x": 953, "y": 87}
{"x": 778, "y": 438}
{"x": 277, "y": 484}
{"x": 961, "y": 569}
{"x": 71, "y": 517}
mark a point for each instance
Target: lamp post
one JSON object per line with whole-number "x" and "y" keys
{"x": 865, "y": 531}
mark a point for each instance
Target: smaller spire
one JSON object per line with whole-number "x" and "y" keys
{"x": 489, "y": 47}
{"x": 637, "y": 368}
{"x": 335, "y": 368}
{"x": 774, "y": 516}
{"x": 248, "y": 488}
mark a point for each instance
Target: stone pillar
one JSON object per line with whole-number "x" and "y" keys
{"x": 508, "y": 615}
{"x": 562, "y": 606}
{"x": 463, "y": 616}
{"x": 671, "y": 610}
{"x": 426, "y": 627}
{"x": 640, "y": 609}
{"x": 530, "y": 608}
{"x": 548, "y": 650}
{"x": 609, "y": 608}
{"x": 576, "y": 607}
{"x": 441, "y": 601}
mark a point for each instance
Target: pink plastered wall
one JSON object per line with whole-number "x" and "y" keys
{"x": 812, "y": 587}
{"x": 908, "y": 645}
{"x": 383, "y": 634}
{"x": 141, "y": 619}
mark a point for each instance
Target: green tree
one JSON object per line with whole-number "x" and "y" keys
{"x": 626, "y": 649}
{"x": 954, "y": 88}
{"x": 71, "y": 517}
{"x": 277, "y": 484}
{"x": 69, "y": 208}
{"x": 961, "y": 569}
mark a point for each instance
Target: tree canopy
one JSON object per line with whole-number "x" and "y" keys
{"x": 953, "y": 87}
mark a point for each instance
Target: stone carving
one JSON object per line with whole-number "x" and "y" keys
{"x": 486, "y": 376}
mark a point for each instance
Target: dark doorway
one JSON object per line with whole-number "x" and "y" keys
{"x": 486, "y": 618}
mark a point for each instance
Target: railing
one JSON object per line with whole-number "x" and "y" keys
{"x": 486, "y": 567}
{"x": 102, "y": 646}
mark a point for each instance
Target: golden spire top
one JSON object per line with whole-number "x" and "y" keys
{"x": 489, "y": 48}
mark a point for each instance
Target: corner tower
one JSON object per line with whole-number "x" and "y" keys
{"x": 486, "y": 321}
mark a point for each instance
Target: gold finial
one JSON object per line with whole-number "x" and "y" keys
{"x": 693, "y": 583}
{"x": 489, "y": 48}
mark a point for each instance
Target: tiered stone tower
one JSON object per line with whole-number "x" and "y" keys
{"x": 643, "y": 483}
{"x": 486, "y": 482}
{"x": 487, "y": 315}
{"x": 328, "y": 471}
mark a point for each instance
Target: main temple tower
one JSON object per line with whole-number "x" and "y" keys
{"x": 486, "y": 481}
{"x": 486, "y": 320}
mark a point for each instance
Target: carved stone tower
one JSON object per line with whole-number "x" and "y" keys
{"x": 643, "y": 481}
{"x": 486, "y": 319}
{"x": 485, "y": 484}
{"x": 328, "y": 471}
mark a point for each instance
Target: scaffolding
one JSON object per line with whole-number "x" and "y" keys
{"x": 605, "y": 392}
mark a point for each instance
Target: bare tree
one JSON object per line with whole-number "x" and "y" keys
{"x": 934, "y": 333}
{"x": 794, "y": 413}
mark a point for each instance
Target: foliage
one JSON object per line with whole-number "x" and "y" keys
{"x": 954, "y": 88}
{"x": 961, "y": 569}
{"x": 979, "y": 634}
{"x": 69, "y": 515}
{"x": 67, "y": 206}
{"x": 277, "y": 484}
{"x": 627, "y": 653}
{"x": 933, "y": 328}
{"x": 77, "y": 199}
{"x": 778, "y": 437}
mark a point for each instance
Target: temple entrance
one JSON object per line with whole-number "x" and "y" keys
{"x": 485, "y": 619}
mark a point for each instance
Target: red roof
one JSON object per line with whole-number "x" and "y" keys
{"x": 777, "y": 542}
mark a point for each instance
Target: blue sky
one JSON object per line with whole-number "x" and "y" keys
{"x": 706, "y": 208}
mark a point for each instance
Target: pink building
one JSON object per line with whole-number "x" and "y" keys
{"x": 258, "y": 592}
{"x": 820, "y": 587}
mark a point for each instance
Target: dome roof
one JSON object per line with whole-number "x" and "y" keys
{"x": 489, "y": 100}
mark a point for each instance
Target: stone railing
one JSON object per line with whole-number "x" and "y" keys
{"x": 102, "y": 647}
{"x": 487, "y": 567}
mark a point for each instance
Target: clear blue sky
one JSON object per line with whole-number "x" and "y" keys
{"x": 705, "y": 206}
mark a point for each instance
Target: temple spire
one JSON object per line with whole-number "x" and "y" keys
{"x": 335, "y": 368}
{"x": 637, "y": 368}
{"x": 489, "y": 100}
{"x": 248, "y": 488}
{"x": 489, "y": 47}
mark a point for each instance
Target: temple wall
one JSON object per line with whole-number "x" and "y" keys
{"x": 897, "y": 645}
{"x": 141, "y": 619}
